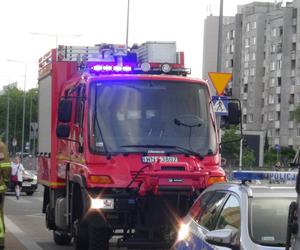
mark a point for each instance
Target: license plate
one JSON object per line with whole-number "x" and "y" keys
{"x": 26, "y": 184}
{"x": 151, "y": 159}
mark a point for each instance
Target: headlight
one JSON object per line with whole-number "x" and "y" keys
{"x": 98, "y": 203}
{"x": 183, "y": 232}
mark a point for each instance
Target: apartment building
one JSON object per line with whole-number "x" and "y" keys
{"x": 261, "y": 47}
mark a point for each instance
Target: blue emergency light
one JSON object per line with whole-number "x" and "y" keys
{"x": 265, "y": 175}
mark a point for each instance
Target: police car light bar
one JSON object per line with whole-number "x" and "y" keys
{"x": 265, "y": 175}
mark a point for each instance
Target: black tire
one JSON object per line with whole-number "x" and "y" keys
{"x": 61, "y": 238}
{"x": 79, "y": 242}
{"x": 30, "y": 193}
{"x": 98, "y": 238}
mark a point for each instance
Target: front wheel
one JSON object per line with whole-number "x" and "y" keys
{"x": 98, "y": 238}
{"x": 61, "y": 238}
{"x": 29, "y": 193}
{"x": 80, "y": 242}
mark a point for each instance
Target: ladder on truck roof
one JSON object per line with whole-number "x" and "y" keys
{"x": 149, "y": 57}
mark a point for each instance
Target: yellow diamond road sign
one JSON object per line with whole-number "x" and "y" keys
{"x": 220, "y": 80}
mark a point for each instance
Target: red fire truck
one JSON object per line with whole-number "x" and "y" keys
{"x": 126, "y": 142}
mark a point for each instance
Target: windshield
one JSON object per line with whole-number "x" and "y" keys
{"x": 128, "y": 114}
{"x": 268, "y": 220}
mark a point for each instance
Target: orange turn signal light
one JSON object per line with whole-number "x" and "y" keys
{"x": 101, "y": 179}
{"x": 216, "y": 179}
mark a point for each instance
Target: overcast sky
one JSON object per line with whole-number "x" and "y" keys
{"x": 99, "y": 21}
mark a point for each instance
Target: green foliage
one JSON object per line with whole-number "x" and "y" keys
{"x": 230, "y": 150}
{"x": 296, "y": 114}
{"x": 285, "y": 155}
{"x": 16, "y": 114}
{"x": 248, "y": 158}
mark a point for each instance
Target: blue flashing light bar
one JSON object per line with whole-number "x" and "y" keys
{"x": 265, "y": 175}
{"x": 106, "y": 68}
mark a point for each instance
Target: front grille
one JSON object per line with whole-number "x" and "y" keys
{"x": 172, "y": 168}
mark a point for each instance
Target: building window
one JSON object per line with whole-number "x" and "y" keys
{"x": 250, "y": 117}
{"x": 246, "y": 64}
{"x": 247, "y": 56}
{"x": 274, "y": 32}
{"x": 272, "y": 82}
{"x": 254, "y": 40}
{"x": 271, "y": 99}
{"x": 273, "y": 66}
{"x": 233, "y": 33}
{"x": 277, "y": 116}
{"x": 277, "y": 132}
{"x": 253, "y": 56}
{"x": 298, "y": 99}
{"x": 254, "y": 25}
{"x": 246, "y": 72}
{"x": 228, "y": 35}
{"x": 231, "y": 48}
{"x": 279, "y": 81}
{"x": 292, "y": 99}
{"x": 247, "y": 42}
{"x": 252, "y": 71}
{"x": 271, "y": 116}
{"x": 227, "y": 49}
{"x": 273, "y": 48}
{"x": 248, "y": 27}
{"x": 298, "y": 132}
{"x": 279, "y": 63}
{"x": 278, "y": 98}
{"x": 251, "y": 102}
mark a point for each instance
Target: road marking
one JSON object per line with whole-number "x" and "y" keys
{"x": 20, "y": 235}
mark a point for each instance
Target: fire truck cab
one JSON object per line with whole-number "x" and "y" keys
{"x": 126, "y": 143}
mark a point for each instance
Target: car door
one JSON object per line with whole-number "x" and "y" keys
{"x": 203, "y": 217}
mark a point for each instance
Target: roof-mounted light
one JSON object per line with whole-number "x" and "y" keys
{"x": 265, "y": 175}
{"x": 106, "y": 68}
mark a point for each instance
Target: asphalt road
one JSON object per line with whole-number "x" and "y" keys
{"x": 25, "y": 224}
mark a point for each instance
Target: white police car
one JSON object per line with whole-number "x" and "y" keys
{"x": 240, "y": 215}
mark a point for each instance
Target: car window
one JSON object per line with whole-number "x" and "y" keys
{"x": 207, "y": 218}
{"x": 200, "y": 204}
{"x": 230, "y": 217}
{"x": 268, "y": 220}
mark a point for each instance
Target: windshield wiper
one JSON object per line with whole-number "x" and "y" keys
{"x": 178, "y": 148}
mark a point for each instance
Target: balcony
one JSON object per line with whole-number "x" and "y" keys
{"x": 278, "y": 73}
{"x": 244, "y": 111}
{"x": 291, "y": 141}
{"x": 291, "y": 124}
{"x": 294, "y": 38}
{"x": 245, "y": 96}
{"x": 293, "y": 55}
{"x": 292, "y": 89}
{"x": 277, "y": 107}
{"x": 277, "y": 124}
{"x": 291, "y": 107}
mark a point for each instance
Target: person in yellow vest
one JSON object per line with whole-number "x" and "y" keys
{"x": 5, "y": 170}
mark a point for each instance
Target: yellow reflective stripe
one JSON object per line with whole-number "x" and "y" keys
{"x": 4, "y": 165}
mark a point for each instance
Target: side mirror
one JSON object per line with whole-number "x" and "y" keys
{"x": 234, "y": 113}
{"x": 65, "y": 110}
{"x": 63, "y": 131}
{"x": 221, "y": 237}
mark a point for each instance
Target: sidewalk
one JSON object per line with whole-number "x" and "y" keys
{"x": 11, "y": 243}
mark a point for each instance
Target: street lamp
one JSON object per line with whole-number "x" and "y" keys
{"x": 24, "y": 99}
{"x": 54, "y": 35}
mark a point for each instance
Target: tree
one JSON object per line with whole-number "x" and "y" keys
{"x": 16, "y": 113}
{"x": 248, "y": 158}
{"x": 231, "y": 150}
{"x": 296, "y": 114}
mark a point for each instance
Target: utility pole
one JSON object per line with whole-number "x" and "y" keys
{"x": 30, "y": 114}
{"x": 127, "y": 28}
{"x": 220, "y": 38}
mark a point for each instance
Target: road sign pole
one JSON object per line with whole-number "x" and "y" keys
{"x": 241, "y": 154}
